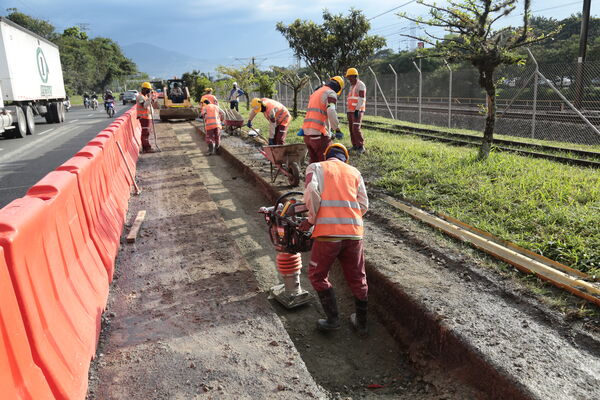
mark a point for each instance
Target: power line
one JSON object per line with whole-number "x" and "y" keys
{"x": 392, "y": 9}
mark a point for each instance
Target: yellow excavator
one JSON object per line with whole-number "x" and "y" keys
{"x": 177, "y": 102}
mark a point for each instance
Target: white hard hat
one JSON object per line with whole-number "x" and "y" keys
{"x": 234, "y": 83}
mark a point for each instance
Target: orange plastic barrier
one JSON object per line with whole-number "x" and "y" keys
{"x": 20, "y": 377}
{"x": 100, "y": 206}
{"x": 61, "y": 334}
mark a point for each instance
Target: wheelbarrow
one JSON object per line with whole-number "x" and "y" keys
{"x": 286, "y": 159}
{"x": 233, "y": 122}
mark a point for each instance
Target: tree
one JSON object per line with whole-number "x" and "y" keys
{"x": 291, "y": 79}
{"x": 243, "y": 76}
{"x": 337, "y": 44}
{"x": 265, "y": 84}
{"x": 472, "y": 39}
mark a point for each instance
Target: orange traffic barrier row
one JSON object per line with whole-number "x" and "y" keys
{"x": 58, "y": 246}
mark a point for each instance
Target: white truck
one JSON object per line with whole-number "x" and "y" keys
{"x": 31, "y": 80}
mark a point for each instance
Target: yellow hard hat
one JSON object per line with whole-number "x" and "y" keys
{"x": 208, "y": 90}
{"x": 340, "y": 146}
{"x": 146, "y": 85}
{"x": 340, "y": 81}
{"x": 351, "y": 71}
{"x": 256, "y": 104}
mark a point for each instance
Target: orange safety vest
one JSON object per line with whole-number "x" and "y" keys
{"x": 211, "y": 98}
{"x": 353, "y": 98}
{"x": 316, "y": 113}
{"x": 339, "y": 214}
{"x": 212, "y": 120}
{"x": 142, "y": 112}
{"x": 282, "y": 116}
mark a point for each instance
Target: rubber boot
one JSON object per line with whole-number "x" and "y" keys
{"x": 216, "y": 149}
{"x": 329, "y": 304}
{"x": 211, "y": 148}
{"x": 359, "y": 318}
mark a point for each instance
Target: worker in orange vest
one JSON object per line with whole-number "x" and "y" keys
{"x": 212, "y": 116}
{"x": 336, "y": 198}
{"x": 276, "y": 113}
{"x": 321, "y": 115}
{"x": 143, "y": 103}
{"x": 356, "y": 109}
{"x": 208, "y": 95}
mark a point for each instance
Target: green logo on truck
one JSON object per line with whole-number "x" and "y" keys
{"x": 42, "y": 65}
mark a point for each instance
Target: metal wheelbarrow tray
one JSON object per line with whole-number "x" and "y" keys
{"x": 287, "y": 159}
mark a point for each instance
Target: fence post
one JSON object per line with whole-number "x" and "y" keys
{"x": 301, "y": 102}
{"x": 395, "y": 90}
{"x": 535, "y": 90}
{"x": 449, "y": 96}
{"x": 420, "y": 87}
{"x": 382, "y": 94}
{"x": 310, "y": 84}
{"x": 279, "y": 91}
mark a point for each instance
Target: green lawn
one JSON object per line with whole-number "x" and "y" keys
{"x": 547, "y": 207}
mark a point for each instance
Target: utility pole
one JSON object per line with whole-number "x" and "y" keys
{"x": 253, "y": 70}
{"x": 583, "y": 38}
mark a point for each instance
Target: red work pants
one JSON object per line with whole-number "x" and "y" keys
{"x": 280, "y": 134}
{"x": 213, "y": 136}
{"x": 352, "y": 258}
{"x": 316, "y": 147}
{"x": 145, "y": 123}
{"x": 356, "y": 135}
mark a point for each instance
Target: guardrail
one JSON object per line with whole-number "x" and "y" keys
{"x": 58, "y": 245}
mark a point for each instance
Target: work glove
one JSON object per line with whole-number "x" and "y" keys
{"x": 249, "y": 124}
{"x": 305, "y": 226}
{"x": 271, "y": 141}
{"x": 339, "y": 134}
{"x": 356, "y": 113}
{"x": 300, "y": 132}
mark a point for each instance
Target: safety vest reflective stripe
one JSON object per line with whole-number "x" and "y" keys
{"x": 353, "y": 98}
{"x": 282, "y": 115}
{"x": 142, "y": 112}
{"x": 339, "y": 212}
{"x": 340, "y": 203}
{"x": 316, "y": 112}
{"x": 341, "y": 221}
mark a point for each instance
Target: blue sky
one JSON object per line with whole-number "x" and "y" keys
{"x": 218, "y": 32}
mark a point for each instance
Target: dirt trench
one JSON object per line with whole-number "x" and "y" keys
{"x": 343, "y": 364}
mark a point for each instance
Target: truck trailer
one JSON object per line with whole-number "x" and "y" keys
{"x": 31, "y": 80}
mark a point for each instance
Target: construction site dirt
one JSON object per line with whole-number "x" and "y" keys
{"x": 189, "y": 315}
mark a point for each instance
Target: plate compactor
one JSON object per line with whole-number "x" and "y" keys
{"x": 283, "y": 220}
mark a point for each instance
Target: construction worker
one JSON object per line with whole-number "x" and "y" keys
{"x": 208, "y": 95}
{"x": 212, "y": 116}
{"x": 356, "y": 109}
{"x": 276, "y": 113}
{"x": 321, "y": 115}
{"x": 336, "y": 198}
{"x": 143, "y": 104}
{"x": 234, "y": 97}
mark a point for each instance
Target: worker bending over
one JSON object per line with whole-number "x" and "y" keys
{"x": 276, "y": 113}
{"x": 208, "y": 95}
{"x": 336, "y": 198}
{"x": 143, "y": 103}
{"x": 212, "y": 116}
{"x": 356, "y": 109}
{"x": 321, "y": 115}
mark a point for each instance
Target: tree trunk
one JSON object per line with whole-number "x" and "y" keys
{"x": 295, "y": 104}
{"x": 490, "y": 121}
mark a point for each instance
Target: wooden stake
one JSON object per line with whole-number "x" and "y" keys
{"x": 135, "y": 228}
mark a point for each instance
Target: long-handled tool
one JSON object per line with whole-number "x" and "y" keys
{"x": 154, "y": 129}
{"x": 137, "y": 189}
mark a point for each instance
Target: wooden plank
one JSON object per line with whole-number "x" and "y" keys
{"x": 573, "y": 284}
{"x": 135, "y": 228}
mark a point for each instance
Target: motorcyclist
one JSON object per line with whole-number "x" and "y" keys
{"x": 86, "y": 100}
{"x": 108, "y": 98}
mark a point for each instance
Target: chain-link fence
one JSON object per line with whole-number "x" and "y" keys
{"x": 556, "y": 102}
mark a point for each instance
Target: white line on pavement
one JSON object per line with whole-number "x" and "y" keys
{"x": 75, "y": 120}
{"x": 89, "y": 115}
{"x": 22, "y": 151}
{"x": 46, "y": 131}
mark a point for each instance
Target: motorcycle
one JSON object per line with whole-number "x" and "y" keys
{"x": 67, "y": 104}
{"x": 110, "y": 108}
{"x": 94, "y": 104}
{"x": 86, "y": 103}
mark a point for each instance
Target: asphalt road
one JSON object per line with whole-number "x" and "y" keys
{"x": 25, "y": 161}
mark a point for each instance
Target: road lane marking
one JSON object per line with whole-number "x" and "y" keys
{"x": 22, "y": 151}
{"x": 15, "y": 187}
{"x": 89, "y": 115}
{"x": 46, "y": 131}
{"x": 75, "y": 120}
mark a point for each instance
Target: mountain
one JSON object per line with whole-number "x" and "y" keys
{"x": 159, "y": 62}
